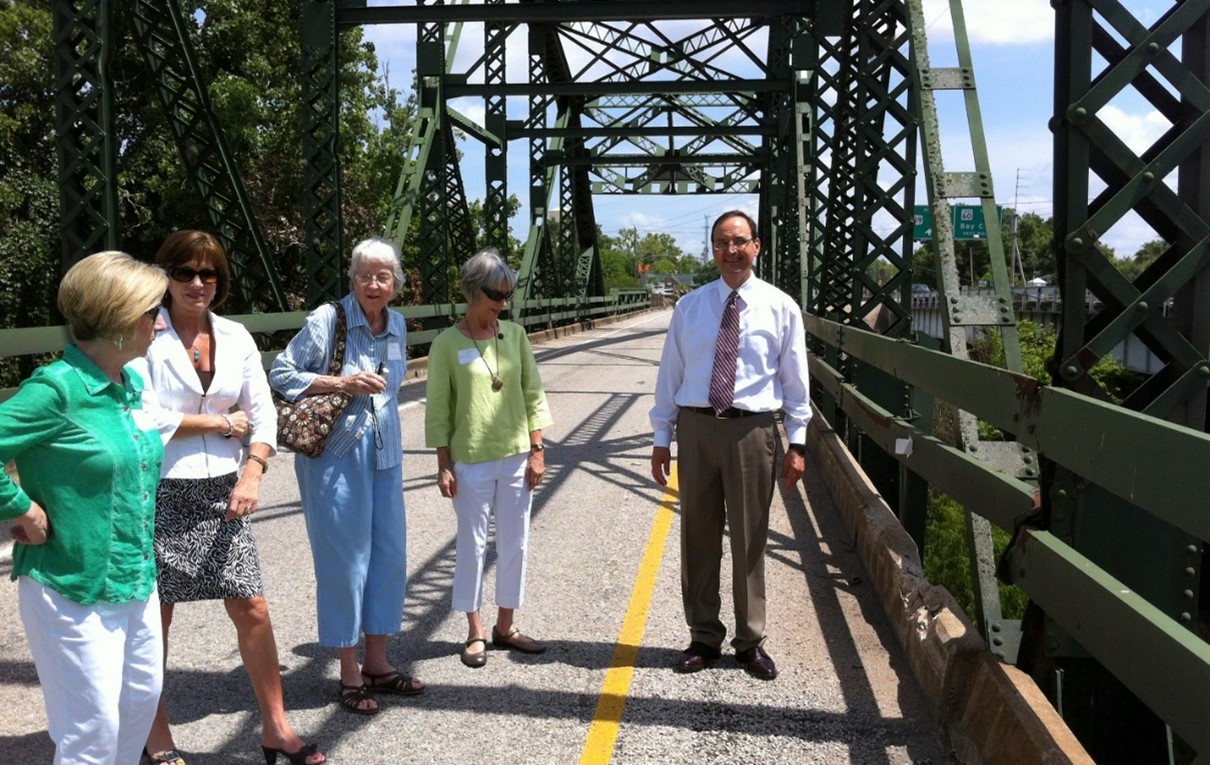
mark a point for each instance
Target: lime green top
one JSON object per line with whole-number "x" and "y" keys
{"x": 479, "y": 424}
{"x": 85, "y": 453}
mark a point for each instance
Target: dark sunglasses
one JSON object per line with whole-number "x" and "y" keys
{"x": 186, "y": 274}
{"x": 151, "y": 313}
{"x": 496, "y": 295}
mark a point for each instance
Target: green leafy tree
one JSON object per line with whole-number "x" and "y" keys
{"x": 29, "y": 196}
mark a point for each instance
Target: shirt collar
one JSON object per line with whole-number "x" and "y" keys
{"x": 93, "y": 379}
{"x": 724, "y": 289}
{"x": 357, "y": 317}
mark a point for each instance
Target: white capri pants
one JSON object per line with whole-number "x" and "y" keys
{"x": 484, "y": 488}
{"x": 101, "y": 668}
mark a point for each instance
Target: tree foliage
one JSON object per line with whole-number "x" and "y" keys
{"x": 249, "y": 55}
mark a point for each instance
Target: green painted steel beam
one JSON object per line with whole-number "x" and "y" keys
{"x": 352, "y": 13}
{"x": 473, "y": 129}
{"x": 1002, "y": 499}
{"x": 737, "y": 87}
{"x": 1087, "y": 436}
{"x": 1160, "y": 660}
{"x": 654, "y": 131}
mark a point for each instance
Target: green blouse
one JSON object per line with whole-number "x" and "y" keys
{"x": 463, "y": 412}
{"x": 87, "y": 454}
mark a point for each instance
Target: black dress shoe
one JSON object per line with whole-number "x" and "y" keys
{"x": 757, "y": 663}
{"x": 695, "y": 658}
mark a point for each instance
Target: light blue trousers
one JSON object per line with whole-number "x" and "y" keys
{"x": 358, "y": 531}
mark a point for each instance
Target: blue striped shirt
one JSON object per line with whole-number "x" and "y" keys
{"x": 307, "y": 355}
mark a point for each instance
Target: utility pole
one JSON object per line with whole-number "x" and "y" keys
{"x": 706, "y": 240}
{"x": 1017, "y": 261}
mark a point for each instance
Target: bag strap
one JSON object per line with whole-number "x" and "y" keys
{"x": 340, "y": 336}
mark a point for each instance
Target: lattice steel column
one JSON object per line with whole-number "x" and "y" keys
{"x": 166, "y": 47}
{"x": 84, "y": 127}
{"x": 495, "y": 120}
{"x": 321, "y": 137}
{"x": 1103, "y": 53}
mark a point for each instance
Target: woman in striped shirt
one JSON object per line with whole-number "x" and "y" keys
{"x": 352, "y": 494}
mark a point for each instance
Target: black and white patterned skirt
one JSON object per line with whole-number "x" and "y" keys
{"x": 198, "y": 555}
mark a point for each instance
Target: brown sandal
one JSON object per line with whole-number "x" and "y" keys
{"x": 392, "y": 682}
{"x": 353, "y": 696}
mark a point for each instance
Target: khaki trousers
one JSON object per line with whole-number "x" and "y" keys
{"x": 726, "y": 477}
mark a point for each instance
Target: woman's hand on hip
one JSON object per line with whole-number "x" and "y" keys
{"x": 534, "y": 469}
{"x": 33, "y": 528}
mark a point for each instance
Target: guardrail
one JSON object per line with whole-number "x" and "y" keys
{"x": 1156, "y": 656}
{"x": 532, "y": 314}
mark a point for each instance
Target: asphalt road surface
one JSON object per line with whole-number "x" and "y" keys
{"x": 603, "y": 592}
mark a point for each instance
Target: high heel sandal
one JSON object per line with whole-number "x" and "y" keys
{"x": 295, "y": 758}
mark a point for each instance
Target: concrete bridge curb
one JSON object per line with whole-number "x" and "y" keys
{"x": 991, "y": 712}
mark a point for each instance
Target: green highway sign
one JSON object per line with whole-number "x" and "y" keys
{"x": 967, "y": 219}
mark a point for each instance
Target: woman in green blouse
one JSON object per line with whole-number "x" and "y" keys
{"x": 485, "y": 413}
{"x": 89, "y": 462}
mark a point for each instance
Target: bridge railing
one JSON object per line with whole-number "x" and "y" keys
{"x": 1158, "y": 466}
{"x": 533, "y": 314}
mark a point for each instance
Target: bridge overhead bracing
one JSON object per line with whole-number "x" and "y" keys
{"x": 823, "y": 112}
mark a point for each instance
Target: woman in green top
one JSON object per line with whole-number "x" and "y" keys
{"x": 89, "y": 462}
{"x": 484, "y": 414}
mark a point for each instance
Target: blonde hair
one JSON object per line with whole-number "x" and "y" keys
{"x": 105, "y": 294}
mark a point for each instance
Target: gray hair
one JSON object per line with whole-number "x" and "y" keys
{"x": 376, "y": 250}
{"x": 485, "y": 269}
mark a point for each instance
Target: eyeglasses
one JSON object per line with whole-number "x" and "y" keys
{"x": 185, "y": 274}
{"x": 152, "y": 313}
{"x": 496, "y": 295}
{"x": 383, "y": 279}
{"x": 723, "y": 245}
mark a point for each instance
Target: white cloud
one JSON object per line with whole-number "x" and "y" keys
{"x": 1138, "y": 131}
{"x": 995, "y": 22}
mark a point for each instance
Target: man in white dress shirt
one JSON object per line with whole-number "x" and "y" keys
{"x": 723, "y": 419}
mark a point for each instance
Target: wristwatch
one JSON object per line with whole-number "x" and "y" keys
{"x": 537, "y": 447}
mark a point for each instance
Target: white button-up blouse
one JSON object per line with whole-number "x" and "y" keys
{"x": 173, "y": 390}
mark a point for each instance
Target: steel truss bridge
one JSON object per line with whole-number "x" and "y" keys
{"x": 824, "y": 111}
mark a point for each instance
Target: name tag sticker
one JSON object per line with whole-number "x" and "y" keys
{"x": 467, "y": 355}
{"x": 394, "y": 354}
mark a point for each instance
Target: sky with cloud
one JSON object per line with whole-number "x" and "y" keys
{"x": 1012, "y": 46}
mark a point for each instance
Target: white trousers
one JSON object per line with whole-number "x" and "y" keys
{"x": 101, "y": 668}
{"x": 484, "y": 488}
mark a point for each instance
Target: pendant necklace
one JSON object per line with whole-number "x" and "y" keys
{"x": 497, "y": 383}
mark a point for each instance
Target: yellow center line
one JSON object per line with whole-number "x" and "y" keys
{"x": 603, "y": 733}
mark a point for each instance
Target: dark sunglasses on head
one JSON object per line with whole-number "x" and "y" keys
{"x": 496, "y": 295}
{"x": 186, "y": 274}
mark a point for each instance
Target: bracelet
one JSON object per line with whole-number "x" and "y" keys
{"x": 264, "y": 466}
{"x": 230, "y": 427}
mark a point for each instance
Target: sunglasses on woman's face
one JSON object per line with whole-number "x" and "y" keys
{"x": 186, "y": 274}
{"x": 152, "y": 313}
{"x": 496, "y": 295}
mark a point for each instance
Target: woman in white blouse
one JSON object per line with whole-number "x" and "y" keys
{"x": 211, "y": 397}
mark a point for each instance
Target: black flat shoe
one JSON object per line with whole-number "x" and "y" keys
{"x": 474, "y": 660}
{"x": 295, "y": 758}
{"x": 515, "y": 640}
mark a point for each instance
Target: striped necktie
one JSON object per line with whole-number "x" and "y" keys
{"x": 722, "y": 378}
